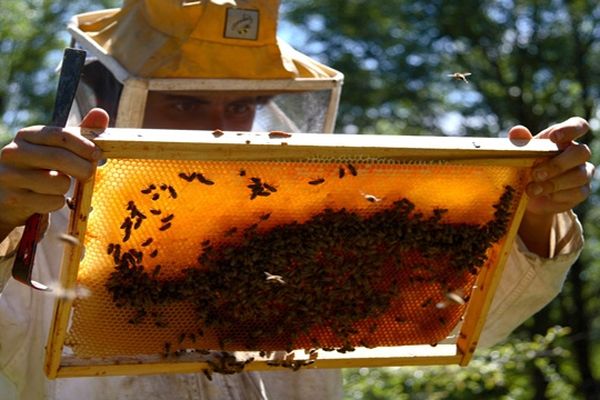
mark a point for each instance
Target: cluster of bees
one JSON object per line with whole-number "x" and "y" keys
{"x": 261, "y": 287}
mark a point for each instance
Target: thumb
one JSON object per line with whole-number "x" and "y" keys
{"x": 96, "y": 118}
{"x": 519, "y": 132}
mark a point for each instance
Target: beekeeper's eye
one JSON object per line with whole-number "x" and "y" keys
{"x": 241, "y": 108}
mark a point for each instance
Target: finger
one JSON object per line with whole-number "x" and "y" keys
{"x": 31, "y": 156}
{"x": 96, "y": 118}
{"x": 572, "y": 157}
{"x": 562, "y": 201}
{"x": 565, "y": 132}
{"x": 37, "y": 181}
{"x": 56, "y": 137}
{"x": 28, "y": 203}
{"x": 519, "y": 132}
{"x": 577, "y": 177}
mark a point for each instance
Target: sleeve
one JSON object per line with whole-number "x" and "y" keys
{"x": 8, "y": 248}
{"x": 530, "y": 282}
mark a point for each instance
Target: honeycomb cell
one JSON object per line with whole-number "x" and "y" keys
{"x": 285, "y": 255}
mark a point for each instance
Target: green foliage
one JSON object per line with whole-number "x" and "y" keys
{"x": 32, "y": 36}
{"x": 496, "y": 373}
{"x": 532, "y": 62}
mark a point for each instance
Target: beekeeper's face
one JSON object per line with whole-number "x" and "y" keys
{"x": 203, "y": 111}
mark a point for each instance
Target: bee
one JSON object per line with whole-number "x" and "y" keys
{"x": 202, "y": 179}
{"x": 149, "y": 189}
{"x": 165, "y": 227}
{"x": 341, "y": 172}
{"x": 138, "y": 317}
{"x": 460, "y": 76}
{"x": 154, "y": 253}
{"x": 456, "y": 296}
{"x": 187, "y": 177}
{"x": 147, "y": 242}
{"x": 230, "y": 232}
{"x": 242, "y": 172}
{"x": 127, "y": 233}
{"x": 71, "y": 240}
{"x": 155, "y": 212}
{"x": 70, "y": 203}
{"x": 110, "y": 248}
{"x": 155, "y": 196}
{"x": 371, "y": 199}
{"x": 352, "y": 169}
{"x": 316, "y": 181}
{"x": 264, "y": 217}
{"x": 274, "y": 278}
{"x": 269, "y": 187}
{"x": 163, "y": 186}
{"x": 172, "y": 191}
{"x": 168, "y": 218}
{"x": 217, "y": 133}
{"x": 138, "y": 223}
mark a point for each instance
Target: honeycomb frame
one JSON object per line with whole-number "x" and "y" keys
{"x": 316, "y": 151}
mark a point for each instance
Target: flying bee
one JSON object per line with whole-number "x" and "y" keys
{"x": 70, "y": 240}
{"x": 70, "y": 203}
{"x": 460, "y": 76}
{"x": 274, "y": 278}
{"x": 456, "y": 296}
{"x": 371, "y": 198}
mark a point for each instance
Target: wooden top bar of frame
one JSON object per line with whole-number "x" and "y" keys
{"x": 276, "y": 146}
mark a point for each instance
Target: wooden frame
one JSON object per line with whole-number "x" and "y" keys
{"x": 265, "y": 146}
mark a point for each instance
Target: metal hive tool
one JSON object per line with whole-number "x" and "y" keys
{"x": 231, "y": 251}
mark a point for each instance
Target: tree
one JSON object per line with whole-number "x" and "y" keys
{"x": 532, "y": 63}
{"x": 32, "y": 36}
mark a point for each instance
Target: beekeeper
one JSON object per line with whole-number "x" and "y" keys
{"x": 219, "y": 65}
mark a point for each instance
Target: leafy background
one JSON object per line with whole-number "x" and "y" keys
{"x": 532, "y": 62}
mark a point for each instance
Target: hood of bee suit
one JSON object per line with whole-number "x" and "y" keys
{"x": 198, "y": 39}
